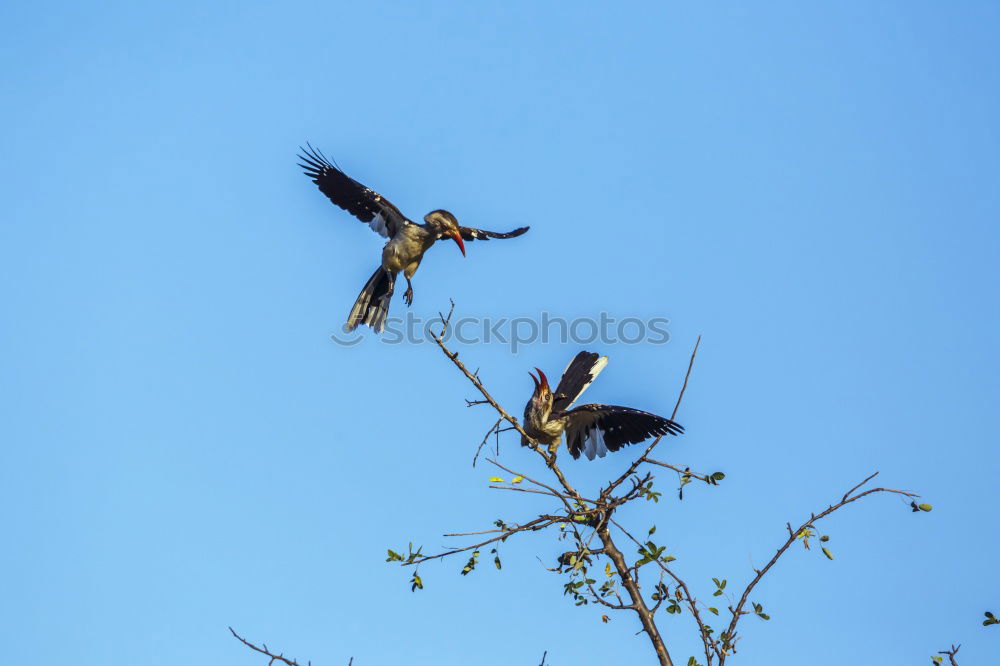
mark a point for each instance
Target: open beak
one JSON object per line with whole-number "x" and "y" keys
{"x": 457, "y": 237}
{"x": 534, "y": 379}
{"x": 544, "y": 380}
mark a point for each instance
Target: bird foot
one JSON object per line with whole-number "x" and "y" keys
{"x": 408, "y": 296}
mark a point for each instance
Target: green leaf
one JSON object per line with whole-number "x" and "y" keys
{"x": 652, "y": 530}
{"x": 714, "y": 611}
{"x": 718, "y": 476}
{"x": 829, "y": 555}
{"x": 471, "y": 564}
{"x": 924, "y": 507}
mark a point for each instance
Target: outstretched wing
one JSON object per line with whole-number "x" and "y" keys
{"x": 362, "y": 202}
{"x": 470, "y": 234}
{"x": 577, "y": 376}
{"x": 596, "y": 429}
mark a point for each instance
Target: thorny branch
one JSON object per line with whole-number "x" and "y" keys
{"x": 270, "y": 655}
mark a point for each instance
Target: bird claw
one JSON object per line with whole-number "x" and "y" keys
{"x": 408, "y": 296}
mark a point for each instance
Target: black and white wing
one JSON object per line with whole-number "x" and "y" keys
{"x": 362, "y": 202}
{"x": 470, "y": 234}
{"x": 577, "y": 376}
{"x": 596, "y": 429}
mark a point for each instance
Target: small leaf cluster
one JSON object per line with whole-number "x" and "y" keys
{"x": 990, "y": 619}
{"x": 686, "y": 477}
{"x": 807, "y": 533}
{"x": 471, "y": 564}
{"x": 577, "y": 579}
{"x": 651, "y": 552}
{"x": 411, "y": 557}
{"x": 646, "y": 491}
{"x": 474, "y": 560}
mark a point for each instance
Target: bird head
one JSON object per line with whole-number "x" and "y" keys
{"x": 445, "y": 224}
{"x": 543, "y": 394}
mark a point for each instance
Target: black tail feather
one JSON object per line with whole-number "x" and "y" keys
{"x": 372, "y": 306}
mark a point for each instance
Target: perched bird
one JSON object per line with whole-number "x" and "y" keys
{"x": 407, "y": 240}
{"x": 590, "y": 429}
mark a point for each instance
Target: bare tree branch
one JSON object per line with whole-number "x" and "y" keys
{"x": 272, "y": 657}
{"x": 848, "y": 498}
{"x": 951, "y": 654}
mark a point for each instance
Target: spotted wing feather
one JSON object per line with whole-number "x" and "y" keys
{"x": 470, "y": 234}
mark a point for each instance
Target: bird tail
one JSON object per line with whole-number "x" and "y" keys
{"x": 579, "y": 374}
{"x": 372, "y": 305}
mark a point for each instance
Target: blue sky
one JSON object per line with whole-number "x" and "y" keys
{"x": 814, "y": 189}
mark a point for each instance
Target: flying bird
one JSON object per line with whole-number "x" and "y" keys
{"x": 407, "y": 240}
{"x": 590, "y": 429}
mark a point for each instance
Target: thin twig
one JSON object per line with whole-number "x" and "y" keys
{"x": 685, "y": 471}
{"x": 264, "y": 651}
{"x": 848, "y": 493}
{"x": 687, "y": 375}
{"x": 539, "y": 523}
{"x": 643, "y": 458}
{"x": 526, "y": 490}
{"x": 951, "y": 654}
{"x": 485, "y": 439}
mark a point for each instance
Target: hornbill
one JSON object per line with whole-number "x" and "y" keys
{"x": 590, "y": 429}
{"x": 407, "y": 240}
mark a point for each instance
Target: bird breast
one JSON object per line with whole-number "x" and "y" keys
{"x": 403, "y": 251}
{"x": 541, "y": 428}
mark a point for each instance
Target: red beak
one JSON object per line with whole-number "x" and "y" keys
{"x": 457, "y": 237}
{"x": 543, "y": 378}
{"x": 534, "y": 379}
